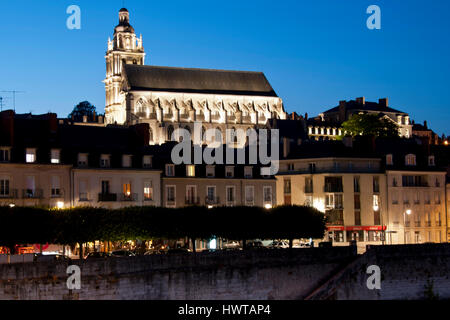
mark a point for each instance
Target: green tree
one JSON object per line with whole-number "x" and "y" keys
{"x": 370, "y": 125}
{"x": 84, "y": 108}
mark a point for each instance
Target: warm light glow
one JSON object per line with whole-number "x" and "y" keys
{"x": 446, "y": 142}
{"x": 375, "y": 208}
{"x": 210, "y": 207}
{"x": 213, "y": 244}
{"x": 408, "y": 212}
{"x": 12, "y": 205}
{"x": 319, "y": 204}
{"x": 60, "y": 205}
{"x": 268, "y": 206}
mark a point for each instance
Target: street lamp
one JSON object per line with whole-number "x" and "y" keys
{"x": 407, "y": 212}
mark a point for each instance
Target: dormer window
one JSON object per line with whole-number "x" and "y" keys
{"x": 126, "y": 161}
{"x": 210, "y": 171}
{"x": 248, "y": 172}
{"x": 5, "y": 154}
{"x": 147, "y": 162}
{"x": 170, "y": 170}
{"x": 30, "y": 155}
{"x": 105, "y": 161}
{"x": 229, "y": 172}
{"x": 82, "y": 159}
{"x": 190, "y": 170}
{"x": 55, "y": 156}
{"x": 431, "y": 161}
{"x": 389, "y": 160}
{"x": 410, "y": 160}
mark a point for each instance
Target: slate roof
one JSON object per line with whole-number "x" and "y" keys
{"x": 155, "y": 78}
{"x": 369, "y": 106}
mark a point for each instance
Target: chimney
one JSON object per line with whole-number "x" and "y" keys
{"x": 342, "y": 110}
{"x": 7, "y": 128}
{"x": 361, "y": 100}
{"x": 425, "y": 124}
{"x": 93, "y": 116}
{"x": 84, "y": 119}
{"x": 293, "y": 116}
{"x": 383, "y": 102}
{"x": 286, "y": 147}
{"x": 306, "y": 116}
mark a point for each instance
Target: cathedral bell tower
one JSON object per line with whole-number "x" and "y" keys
{"x": 124, "y": 48}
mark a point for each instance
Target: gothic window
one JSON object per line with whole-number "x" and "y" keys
{"x": 150, "y": 135}
{"x": 203, "y": 136}
{"x": 218, "y": 135}
{"x": 170, "y": 131}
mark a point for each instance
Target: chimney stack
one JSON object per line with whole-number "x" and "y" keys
{"x": 425, "y": 124}
{"x": 383, "y": 102}
{"x": 361, "y": 100}
{"x": 342, "y": 110}
{"x": 306, "y": 116}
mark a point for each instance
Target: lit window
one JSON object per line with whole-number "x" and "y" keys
{"x": 210, "y": 171}
{"x": 105, "y": 161}
{"x": 55, "y": 156}
{"x": 170, "y": 170}
{"x": 190, "y": 171}
{"x": 248, "y": 172}
{"x": 30, "y": 155}
{"x": 148, "y": 191}
{"x": 410, "y": 160}
{"x": 147, "y": 162}
{"x": 229, "y": 172}
{"x": 82, "y": 159}
{"x": 126, "y": 161}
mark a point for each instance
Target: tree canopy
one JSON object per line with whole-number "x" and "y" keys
{"x": 370, "y": 125}
{"x": 84, "y": 108}
{"x": 78, "y": 225}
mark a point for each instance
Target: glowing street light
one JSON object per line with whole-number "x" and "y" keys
{"x": 60, "y": 205}
{"x": 268, "y": 206}
{"x": 407, "y": 212}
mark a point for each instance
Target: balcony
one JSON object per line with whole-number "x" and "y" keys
{"x": 192, "y": 201}
{"x": 212, "y": 200}
{"x": 11, "y": 194}
{"x": 107, "y": 197}
{"x": 32, "y": 194}
{"x": 333, "y": 188}
{"x": 246, "y": 119}
{"x": 83, "y": 197}
{"x": 57, "y": 193}
{"x": 335, "y": 217}
{"x": 168, "y": 116}
{"x": 128, "y": 197}
{"x": 309, "y": 189}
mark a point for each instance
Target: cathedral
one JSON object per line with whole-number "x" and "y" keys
{"x": 168, "y": 98}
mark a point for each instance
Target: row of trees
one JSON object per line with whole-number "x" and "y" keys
{"x": 25, "y": 225}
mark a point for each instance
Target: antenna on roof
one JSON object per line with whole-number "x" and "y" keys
{"x": 14, "y": 96}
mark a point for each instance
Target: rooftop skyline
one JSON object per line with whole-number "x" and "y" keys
{"x": 313, "y": 54}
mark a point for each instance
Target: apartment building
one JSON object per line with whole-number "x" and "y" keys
{"x": 416, "y": 193}
{"x": 348, "y": 188}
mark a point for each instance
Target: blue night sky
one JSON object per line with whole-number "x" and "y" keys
{"x": 314, "y": 53}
